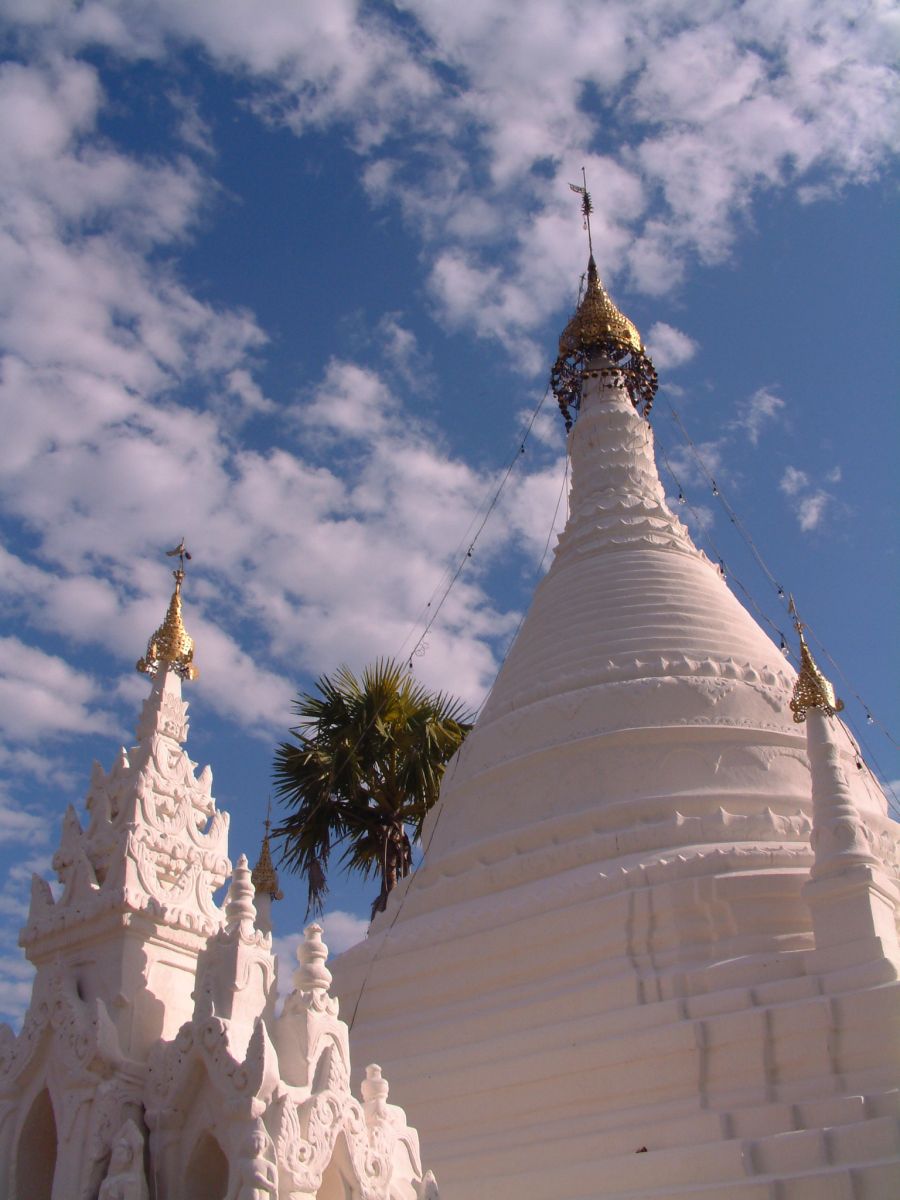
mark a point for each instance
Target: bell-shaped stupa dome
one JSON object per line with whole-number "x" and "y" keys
{"x": 605, "y": 947}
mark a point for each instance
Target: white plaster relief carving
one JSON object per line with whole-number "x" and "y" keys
{"x": 135, "y": 940}
{"x": 155, "y": 842}
{"x": 125, "y": 1179}
{"x": 292, "y": 1129}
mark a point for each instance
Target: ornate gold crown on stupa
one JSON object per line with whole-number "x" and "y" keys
{"x": 171, "y": 644}
{"x": 600, "y": 331}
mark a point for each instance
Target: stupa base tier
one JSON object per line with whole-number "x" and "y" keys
{"x": 637, "y": 931}
{"x": 679, "y": 1006}
{"x": 777, "y": 1084}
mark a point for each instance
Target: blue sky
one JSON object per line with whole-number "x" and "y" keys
{"x": 287, "y": 279}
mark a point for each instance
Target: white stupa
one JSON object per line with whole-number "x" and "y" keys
{"x": 622, "y": 970}
{"x": 151, "y": 1064}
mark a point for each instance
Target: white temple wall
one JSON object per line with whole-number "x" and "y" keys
{"x": 142, "y": 974}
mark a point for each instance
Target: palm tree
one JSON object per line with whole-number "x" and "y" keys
{"x": 365, "y": 766}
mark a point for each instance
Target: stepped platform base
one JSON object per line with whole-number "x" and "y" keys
{"x": 779, "y": 1092}
{"x": 858, "y": 1159}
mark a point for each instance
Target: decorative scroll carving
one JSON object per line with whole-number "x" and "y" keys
{"x": 154, "y": 843}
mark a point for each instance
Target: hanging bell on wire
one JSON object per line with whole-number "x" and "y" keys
{"x": 681, "y": 499}
{"x": 715, "y": 488}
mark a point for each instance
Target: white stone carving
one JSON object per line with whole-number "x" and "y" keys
{"x": 125, "y": 1179}
{"x": 152, "y": 1004}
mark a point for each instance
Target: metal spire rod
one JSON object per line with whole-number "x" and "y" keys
{"x": 586, "y": 206}
{"x": 181, "y": 553}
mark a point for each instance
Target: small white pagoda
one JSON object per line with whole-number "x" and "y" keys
{"x": 151, "y": 1064}
{"x": 652, "y": 949}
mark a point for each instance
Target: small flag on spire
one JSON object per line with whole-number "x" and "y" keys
{"x": 586, "y": 206}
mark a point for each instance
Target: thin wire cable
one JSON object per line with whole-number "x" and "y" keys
{"x": 757, "y": 555}
{"x": 870, "y": 716}
{"x": 732, "y": 515}
{"x": 563, "y": 491}
{"x": 707, "y": 537}
{"x": 856, "y": 740}
{"x": 439, "y": 810}
{"x": 883, "y": 781}
{"x": 520, "y": 451}
{"x": 471, "y": 547}
{"x": 467, "y": 541}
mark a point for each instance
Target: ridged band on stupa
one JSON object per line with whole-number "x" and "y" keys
{"x": 599, "y": 331}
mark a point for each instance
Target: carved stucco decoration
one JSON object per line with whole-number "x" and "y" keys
{"x": 135, "y": 935}
{"x": 84, "y": 1040}
{"x": 154, "y": 842}
{"x": 301, "y": 1124}
{"x": 125, "y": 1179}
{"x": 70, "y": 1046}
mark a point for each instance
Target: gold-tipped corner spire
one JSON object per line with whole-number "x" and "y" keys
{"x": 264, "y": 875}
{"x": 171, "y": 644}
{"x": 812, "y": 689}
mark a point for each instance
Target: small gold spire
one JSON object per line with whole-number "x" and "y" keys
{"x": 264, "y": 875}
{"x": 171, "y": 643}
{"x": 598, "y": 320}
{"x": 812, "y": 689}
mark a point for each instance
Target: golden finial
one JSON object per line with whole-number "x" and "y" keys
{"x": 597, "y": 321}
{"x": 599, "y": 329}
{"x": 264, "y": 875}
{"x": 172, "y": 644}
{"x": 812, "y": 689}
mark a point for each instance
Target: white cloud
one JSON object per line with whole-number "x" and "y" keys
{"x": 43, "y": 696}
{"x": 402, "y": 352}
{"x": 669, "y": 347}
{"x": 793, "y": 480}
{"x": 694, "y": 464}
{"x": 547, "y": 427}
{"x": 454, "y": 108}
{"x": 98, "y": 346}
{"x": 810, "y": 503}
{"x": 192, "y": 127}
{"x": 343, "y": 930}
{"x": 762, "y": 407}
{"x": 811, "y": 510}
{"x": 16, "y": 976}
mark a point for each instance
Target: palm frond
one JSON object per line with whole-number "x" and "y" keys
{"x": 367, "y": 758}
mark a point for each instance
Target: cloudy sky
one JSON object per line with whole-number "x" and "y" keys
{"x": 286, "y": 278}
